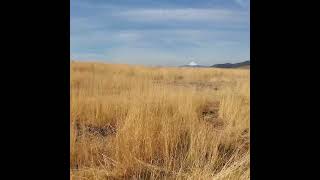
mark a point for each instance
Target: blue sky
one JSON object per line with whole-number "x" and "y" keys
{"x": 160, "y": 32}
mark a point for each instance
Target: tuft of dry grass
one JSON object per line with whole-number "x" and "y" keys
{"x": 136, "y": 122}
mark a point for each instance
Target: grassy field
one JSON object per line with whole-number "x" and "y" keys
{"x": 135, "y": 122}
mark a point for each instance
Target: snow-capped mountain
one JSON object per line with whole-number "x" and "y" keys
{"x": 192, "y": 63}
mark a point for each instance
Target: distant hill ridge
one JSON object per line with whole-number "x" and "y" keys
{"x": 244, "y": 65}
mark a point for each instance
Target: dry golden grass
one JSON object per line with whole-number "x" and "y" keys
{"x": 135, "y": 122}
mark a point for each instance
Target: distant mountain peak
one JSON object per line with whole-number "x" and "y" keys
{"x": 192, "y": 63}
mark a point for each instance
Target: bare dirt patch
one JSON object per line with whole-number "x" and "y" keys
{"x": 197, "y": 85}
{"x": 104, "y": 131}
{"x": 210, "y": 114}
{"x": 193, "y": 84}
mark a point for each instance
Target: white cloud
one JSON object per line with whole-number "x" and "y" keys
{"x": 185, "y": 14}
{"x": 80, "y": 25}
{"x": 87, "y": 56}
{"x": 127, "y": 36}
{"x": 243, "y": 3}
{"x": 105, "y": 38}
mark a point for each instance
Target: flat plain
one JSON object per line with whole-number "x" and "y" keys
{"x": 137, "y": 122}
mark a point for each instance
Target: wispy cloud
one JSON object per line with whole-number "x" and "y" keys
{"x": 128, "y": 36}
{"x": 83, "y": 25}
{"x": 182, "y": 14}
{"x": 87, "y": 56}
{"x": 243, "y": 3}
